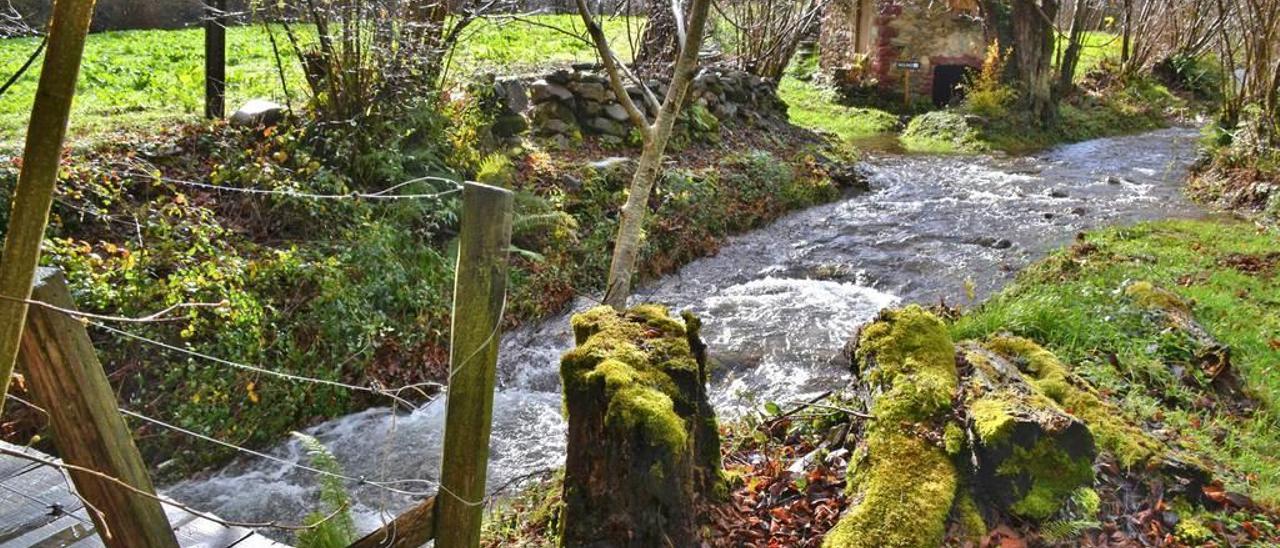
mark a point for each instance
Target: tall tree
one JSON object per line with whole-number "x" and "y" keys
{"x": 1034, "y": 41}
{"x": 1081, "y": 10}
{"x": 34, "y": 194}
{"x": 655, "y": 135}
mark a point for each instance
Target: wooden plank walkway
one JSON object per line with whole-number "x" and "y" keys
{"x": 38, "y": 508}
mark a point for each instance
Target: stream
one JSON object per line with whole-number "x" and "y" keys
{"x": 778, "y": 304}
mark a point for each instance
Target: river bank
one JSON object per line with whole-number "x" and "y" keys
{"x": 778, "y": 303}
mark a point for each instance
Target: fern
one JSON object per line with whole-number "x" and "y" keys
{"x": 1066, "y": 529}
{"x": 1085, "y": 503}
{"x": 340, "y": 530}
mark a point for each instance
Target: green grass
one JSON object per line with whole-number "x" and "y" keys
{"x": 816, "y": 108}
{"x": 1099, "y": 46}
{"x": 1073, "y": 303}
{"x": 135, "y": 79}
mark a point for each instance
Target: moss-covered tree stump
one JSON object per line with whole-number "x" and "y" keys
{"x": 958, "y": 430}
{"x": 643, "y": 441}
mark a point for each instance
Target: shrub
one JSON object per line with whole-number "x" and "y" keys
{"x": 986, "y": 94}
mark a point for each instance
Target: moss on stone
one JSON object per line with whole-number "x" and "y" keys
{"x": 908, "y": 353}
{"x": 902, "y": 482}
{"x": 1054, "y": 474}
{"x": 965, "y": 513}
{"x": 1147, "y": 295}
{"x": 1130, "y": 445}
{"x": 953, "y": 439}
{"x": 904, "y": 488}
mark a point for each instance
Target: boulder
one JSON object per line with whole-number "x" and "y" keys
{"x": 607, "y": 126}
{"x": 591, "y": 91}
{"x": 616, "y": 112}
{"x": 512, "y": 94}
{"x": 258, "y": 112}
{"x": 543, "y": 91}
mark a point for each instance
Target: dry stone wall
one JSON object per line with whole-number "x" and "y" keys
{"x": 569, "y": 103}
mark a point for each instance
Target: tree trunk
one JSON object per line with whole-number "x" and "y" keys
{"x": 643, "y": 442}
{"x": 1033, "y": 46}
{"x": 1075, "y": 43}
{"x": 1014, "y": 426}
{"x": 1126, "y": 32}
{"x": 627, "y": 245}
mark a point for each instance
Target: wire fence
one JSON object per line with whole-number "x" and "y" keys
{"x": 399, "y": 397}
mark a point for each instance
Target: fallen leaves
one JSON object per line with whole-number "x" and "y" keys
{"x": 772, "y": 506}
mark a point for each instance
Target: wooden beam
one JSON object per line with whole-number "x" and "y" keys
{"x": 34, "y": 193}
{"x": 64, "y": 375}
{"x": 409, "y": 530}
{"x": 215, "y": 59}
{"x": 478, "y": 300}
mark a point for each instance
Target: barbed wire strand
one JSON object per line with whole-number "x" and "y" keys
{"x": 185, "y": 508}
{"x": 383, "y": 194}
{"x": 160, "y": 316}
{"x": 384, "y": 484}
{"x": 390, "y": 393}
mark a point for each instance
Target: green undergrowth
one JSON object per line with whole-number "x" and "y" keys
{"x": 1075, "y": 304}
{"x": 353, "y": 291}
{"x": 1139, "y": 104}
{"x": 143, "y": 78}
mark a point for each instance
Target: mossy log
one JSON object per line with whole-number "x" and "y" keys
{"x": 1207, "y": 354}
{"x": 954, "y": 427}
{"x": 643, "y": 441}
{"x": 1029, "y": 454}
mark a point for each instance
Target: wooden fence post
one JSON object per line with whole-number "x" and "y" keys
{"x": 478, "y": 301}
{"x": 64, "y": 375}
{"x": 34, "y": 194}
{"x": 215, "y": 58}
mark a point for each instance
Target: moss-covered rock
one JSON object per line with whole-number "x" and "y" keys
{"x": 903, "y": 481}
{"x": 643, "y": 442}
{"x": 1129, "y": 444}
{"x": 942, "y": 131}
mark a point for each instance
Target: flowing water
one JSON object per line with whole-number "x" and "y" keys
{"x": 778, "y": 305}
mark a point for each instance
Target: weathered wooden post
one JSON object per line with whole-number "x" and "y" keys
{"x": 215, "y": 58}
{"x": 34, "y": 194}
{"x": 478, "y": 300}
{"x": 66, "y": 378}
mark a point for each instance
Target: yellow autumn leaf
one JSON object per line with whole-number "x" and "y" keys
{"x": 253, "y": 395}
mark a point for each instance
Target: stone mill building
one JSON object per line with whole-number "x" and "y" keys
{"x": 920, "y": 47}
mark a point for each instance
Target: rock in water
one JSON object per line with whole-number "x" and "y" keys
{"x": 258, "y": 112}
{"x": 643, "y": 442}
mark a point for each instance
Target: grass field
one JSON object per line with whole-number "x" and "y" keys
{"x": 132, "y": 79}
{"x": 1075, "y": 304}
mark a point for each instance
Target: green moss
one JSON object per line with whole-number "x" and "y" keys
{"x": 1146, "y": 294}
{"x": 1193, "y": 531}
{"x": 966, "y": 513}
{"x": 942, "y": 131}
{"x": 1055, "y": 477}
{"x": 905, "y": 486}
{"x": 904, "y": 483}
{"x": 953, "y": 439}
{"x": 1130, "y": 445}
{"x": 631, "y": 357}
{"x": 914, "y": 363}
{"x": 991, "y": 419}
{"x": 1087, "y": 502}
